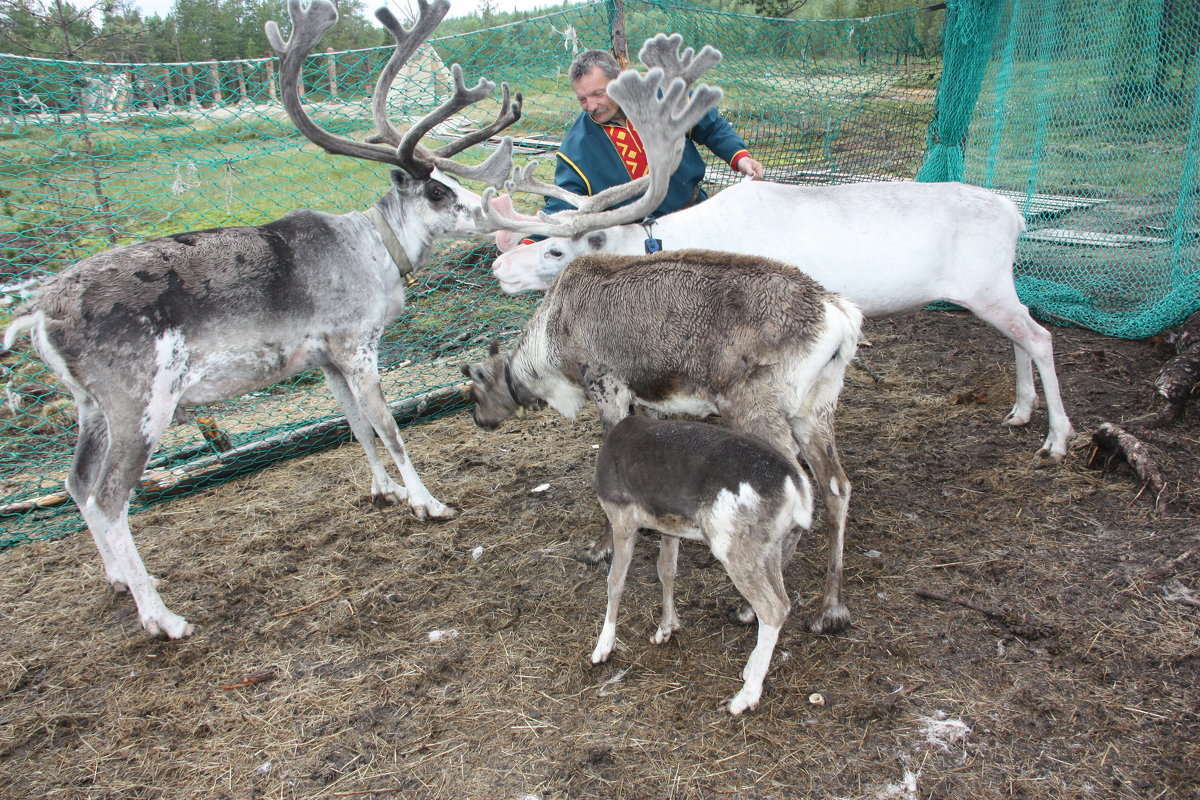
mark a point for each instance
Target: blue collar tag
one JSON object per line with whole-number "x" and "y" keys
{"x": 653, "y": 245}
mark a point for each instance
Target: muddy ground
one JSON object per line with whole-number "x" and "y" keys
{"x": 1022, "y": 628}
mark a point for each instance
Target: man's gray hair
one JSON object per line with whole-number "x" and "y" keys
{"x": 588, "y": 60}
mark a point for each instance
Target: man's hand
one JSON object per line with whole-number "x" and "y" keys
{"x": 748, "y": 166}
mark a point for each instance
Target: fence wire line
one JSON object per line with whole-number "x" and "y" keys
{"x": 1086, "y": 116}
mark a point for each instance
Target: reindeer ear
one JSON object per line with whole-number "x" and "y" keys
{"x": 466, "y": 370}
{"x": 400, "y": 177}
{"x": 494, "y": 347}
{"x": 506, "y": 240}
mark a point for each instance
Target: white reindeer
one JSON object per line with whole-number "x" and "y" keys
{"x": 889, "y": 247}
{"x": 139, "y": 332}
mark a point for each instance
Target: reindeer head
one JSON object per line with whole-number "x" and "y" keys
{"x": 533, "y": 267}
{"x": 491, "y": 389}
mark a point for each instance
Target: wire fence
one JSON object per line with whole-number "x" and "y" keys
{"x": 1087, "y": 117}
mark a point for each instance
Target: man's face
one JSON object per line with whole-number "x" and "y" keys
{"x": 591, "y": 92}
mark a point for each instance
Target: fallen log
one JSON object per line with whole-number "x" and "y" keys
{"x": 163, "y": 483}
{"x": 1178, "y": 377}
{"x": 1117, "y": 443}
{"x": 25, "y": 506}
{"x": 1176, "y": 381}
{"x": 159, "y": 484}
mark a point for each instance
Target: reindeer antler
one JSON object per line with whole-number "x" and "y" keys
{"x": 388, "y": 146}
{"x": 496, "y": 168}
{"x": 662, "y": 51}
{"x": 662, "y": 111}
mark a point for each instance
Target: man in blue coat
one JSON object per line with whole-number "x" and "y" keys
{"x": 602, "y": 149}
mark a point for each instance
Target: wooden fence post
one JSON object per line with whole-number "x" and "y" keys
{"x": 333, "y": 88}
{"x": 241, "y": 82}
{"x": 270, "y": 65}
{"x": 215, "y": 77}
{"x": 620, "y": 44}
{"x": 191, "y": 84}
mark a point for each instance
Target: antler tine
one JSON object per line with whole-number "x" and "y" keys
{"x": 408, "y": 147}
{"x": 662, "y": 121}
{"x": 308, "y": 26}
{"x": 461, "y": 98}
{"x": 407, "y": 43}
{"x": 510, "y": 112}
{"x": 494, "y": 171}
{"x": 662, "y": 51}
{"x": 523, "y": 181}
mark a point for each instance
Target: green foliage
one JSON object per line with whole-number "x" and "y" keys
{"x": 114, "y": 31}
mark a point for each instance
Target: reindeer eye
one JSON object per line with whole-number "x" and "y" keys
{"x": 554, "y": 252}
{"x": 436, "y": 191}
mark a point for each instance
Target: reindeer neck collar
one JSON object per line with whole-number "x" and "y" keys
{"x": 390, "y": 242}
{"x": 508, "y": 383}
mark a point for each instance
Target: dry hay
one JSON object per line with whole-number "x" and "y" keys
{"x": 1022, "y": 628}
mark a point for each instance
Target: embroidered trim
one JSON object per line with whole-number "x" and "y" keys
{"x": 628, "y": 144}
{"x": 571, "y": 164}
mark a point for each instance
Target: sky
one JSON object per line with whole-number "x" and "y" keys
{"x": 161, "y": 8}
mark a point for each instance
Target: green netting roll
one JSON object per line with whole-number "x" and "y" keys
{"x": 967, "y": 46}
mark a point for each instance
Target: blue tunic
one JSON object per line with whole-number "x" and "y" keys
{"x": 589, "y": 163}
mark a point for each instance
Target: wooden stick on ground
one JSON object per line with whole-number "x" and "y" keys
{"x": 1118, "y": 442}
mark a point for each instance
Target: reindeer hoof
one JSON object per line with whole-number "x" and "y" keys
{"x": 168, "y": 626}
{"x": 741, "y": 615}
{"x": 438, "y": 511}
{"x": 831, "y": 620}
{"x": 663, "y": 634}
{"x": 743, "y": 701}
{"x": 596, "y": 553}
{"x": 387, "y": 499}
{"x": 1055, "y": 449}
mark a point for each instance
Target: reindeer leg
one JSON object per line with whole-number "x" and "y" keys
{"x": 384, "y": 489}
{"x": 361, "y": 397}
{"x": 1032, "y": 343}
{"x": 112, "y": 452}
{"x": 624, "y": 535}
{"x": 1025, "y": 400}
{"x": 668, "y": 558}
{"x": 614, "y": 402}
{"x": 762, "y": 586}
{"x": 90, "y": 452}
{"x": 818, "y": 448}
{"x": 1041, "y": 350}
{"x": 765, "y": 420}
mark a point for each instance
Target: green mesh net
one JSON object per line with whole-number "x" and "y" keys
{"x": 1086, "y": 114}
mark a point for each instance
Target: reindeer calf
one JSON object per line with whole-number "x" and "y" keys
{"x": 692, "y": 480}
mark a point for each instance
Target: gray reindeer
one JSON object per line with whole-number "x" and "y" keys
{"x": 139, "y": 332}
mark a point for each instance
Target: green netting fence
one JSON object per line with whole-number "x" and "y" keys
{"x": 1085, "y": 113}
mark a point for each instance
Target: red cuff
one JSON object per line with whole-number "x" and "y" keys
{"x": 525, "y": 241}
{"x": 738, "y": 156}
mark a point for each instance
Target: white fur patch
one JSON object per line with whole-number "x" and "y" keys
{"x": 802, "y": 502}
{"x": 170, "y": 354}
{"x": 560, "y": 394}
{"x": 723, "y": 516}
{"x": 52, "y": 357}
{"x": 683, "y": 404}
